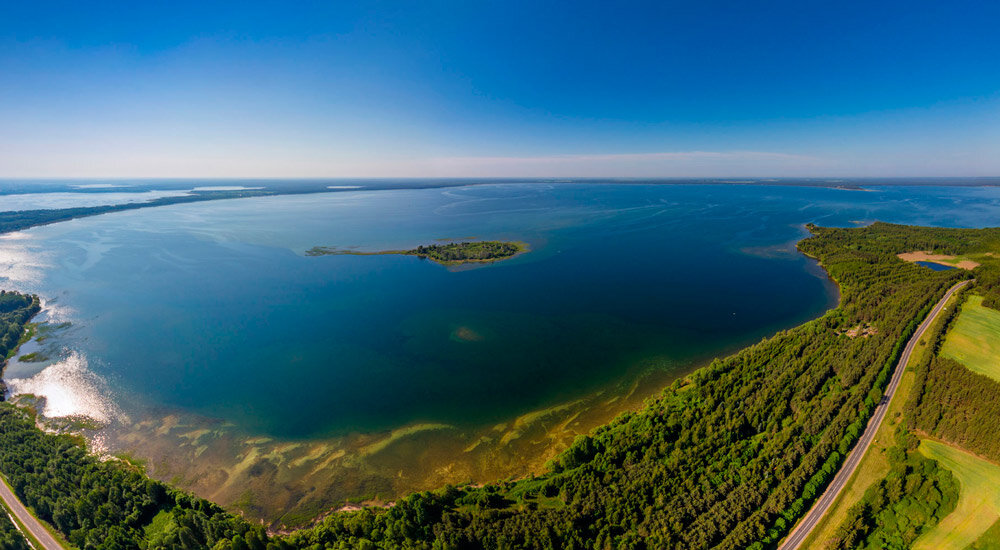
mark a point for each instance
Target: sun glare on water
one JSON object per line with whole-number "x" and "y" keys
{"x": 69, "y": 389}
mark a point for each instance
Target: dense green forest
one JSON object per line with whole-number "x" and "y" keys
{"x": 15, "y": 311}
{"x": 953, "y": 403}
{"x": 729, "y": 457}
{"x": 470, "y": 251}
{"x": 10, "y": 537}
{"x": 948, "y": 402}
{"x": 961, "y": 407}
{"x": 917, "y": 493}
{"x": 108, "y": 504}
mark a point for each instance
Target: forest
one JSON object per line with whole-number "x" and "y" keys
{"x": 16, "y": 310}
{"x": 728, "y": 457}
{"x": 96, "y": 504}
{"x": 916, "y": 494}
{"x": 949, "y": 403}
{"x": 10, "y": 537}
{"x": 469, "y": 251}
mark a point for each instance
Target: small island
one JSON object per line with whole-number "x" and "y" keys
{"x": 454, "y": 253}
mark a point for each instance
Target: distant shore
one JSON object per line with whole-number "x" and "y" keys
{"x": 218, "y": 189}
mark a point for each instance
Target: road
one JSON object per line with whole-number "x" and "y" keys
{"x": 822, "y": 506}
{"x": 26, "y": 519}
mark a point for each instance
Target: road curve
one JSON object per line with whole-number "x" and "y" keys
{"x": 26, "y": 519}
{"x": 820, "y": 508}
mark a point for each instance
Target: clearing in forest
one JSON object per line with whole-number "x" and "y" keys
{"x": 960, "y": 262}
{"x": 978, "y": 505}
{"x": 974, "y": 340}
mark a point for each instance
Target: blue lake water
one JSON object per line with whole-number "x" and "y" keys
{"x": 212, "y": 310}
{"x": 935, "y": 266}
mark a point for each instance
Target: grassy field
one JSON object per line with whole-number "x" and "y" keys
{"x": 978, "y": 502}
{"x": 990, "y": 539}
{"x": 974, "y": 341}
{"x": 961, "y": 262}
{"x": 875, "y": 464}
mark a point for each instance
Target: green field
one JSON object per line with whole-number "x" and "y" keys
{"x": 990, "y": 539}
{"x": 978, "y": 501}
{"x": 975, "y": 339}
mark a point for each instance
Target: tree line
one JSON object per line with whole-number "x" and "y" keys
{"x": 16, "y": 310}
{"x": 469, "y": 251}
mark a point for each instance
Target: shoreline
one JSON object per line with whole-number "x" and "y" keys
{"x": 30, "y": 331}
{"x": 436, "y": 454}
{"x": 639, "y": 399}
{"x": 525, "y": 443}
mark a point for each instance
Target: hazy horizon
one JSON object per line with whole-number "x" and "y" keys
{"x": 113, "y": 181}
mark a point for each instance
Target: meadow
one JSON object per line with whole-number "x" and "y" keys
{"x": 978, "y": 501}
{"x": 975, "y": 339}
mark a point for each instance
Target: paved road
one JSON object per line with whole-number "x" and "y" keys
{"x": 806, "y": 526}
{"x": 29, "y": 521}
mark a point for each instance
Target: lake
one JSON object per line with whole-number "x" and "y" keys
{"x": 202, "y": 340}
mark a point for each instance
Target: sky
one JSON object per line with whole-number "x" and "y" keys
{"x": 499, "y": 89}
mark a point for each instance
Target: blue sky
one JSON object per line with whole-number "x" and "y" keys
{"x": 660, "y": 89}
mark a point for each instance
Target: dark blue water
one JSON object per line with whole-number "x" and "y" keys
{"x": 936, "y": 266}
{"x": 212, "y": 309}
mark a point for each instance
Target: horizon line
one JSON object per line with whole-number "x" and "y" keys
{"x": 730, "y": 178}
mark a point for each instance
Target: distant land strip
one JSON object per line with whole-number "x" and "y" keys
{"x": 19, "y": 220}
{"x": 23, "y": 219}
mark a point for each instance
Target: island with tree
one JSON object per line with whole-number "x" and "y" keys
{"x": 453, "y": 253}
